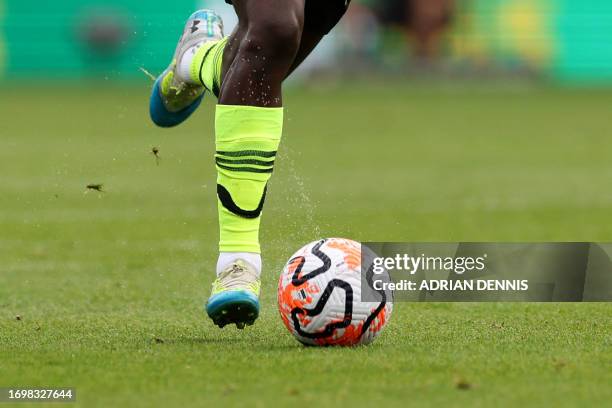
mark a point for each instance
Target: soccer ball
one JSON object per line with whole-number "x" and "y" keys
{"x": 319, "y": 296}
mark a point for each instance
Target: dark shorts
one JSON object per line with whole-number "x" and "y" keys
{"x": 322, "y": 15}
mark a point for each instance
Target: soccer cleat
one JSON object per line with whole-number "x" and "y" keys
{"x": 173, "y": 100}
{"x": 235, "y": 296}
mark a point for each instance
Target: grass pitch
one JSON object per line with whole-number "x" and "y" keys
{"x": 104, "y": 291}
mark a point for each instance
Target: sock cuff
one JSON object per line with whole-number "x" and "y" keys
{"x": 204, "y": 69}
{"x": 248, "y": 127}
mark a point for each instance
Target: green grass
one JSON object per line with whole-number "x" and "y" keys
{"x": 110, "y": 286}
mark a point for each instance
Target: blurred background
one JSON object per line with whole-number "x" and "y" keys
{"x": 566, "y": 41}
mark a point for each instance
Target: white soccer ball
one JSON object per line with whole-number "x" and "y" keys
{"x": 319, "y": 296}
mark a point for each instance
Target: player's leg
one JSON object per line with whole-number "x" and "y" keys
{"x": 248, "y": 126}
{"x": 261, "y": 52}
{"x": 320, "y": 17}
{"x": 267, "y": 45}
{"x": 202, "y": 55}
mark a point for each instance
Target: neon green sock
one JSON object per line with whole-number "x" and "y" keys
{"x": 247, "y": 138}
{"x": 207, "y": 65}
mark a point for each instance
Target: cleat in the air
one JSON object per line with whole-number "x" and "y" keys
{"x": 173, "y": 100}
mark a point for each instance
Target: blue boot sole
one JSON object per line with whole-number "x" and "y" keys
{"x": 161, "y": 116}
{"x": 234, "y": 307}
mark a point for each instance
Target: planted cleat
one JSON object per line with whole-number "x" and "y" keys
{"x": 235, "y": 296}
{"x": 174, "y": 99}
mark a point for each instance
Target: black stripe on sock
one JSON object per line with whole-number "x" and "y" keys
{"x": 217, "y": 74}
{"x": 242, "y": 153}
{"x": 228, "y": 202}
{"x": 202, "y": 65}
{"x": 245, "y": 169}
{"x": 245, "y": 161}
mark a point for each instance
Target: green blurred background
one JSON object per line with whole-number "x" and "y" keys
{"x": 563, "y": 40}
